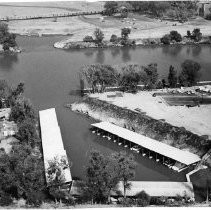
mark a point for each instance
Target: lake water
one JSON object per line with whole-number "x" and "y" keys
{"x": 50, "y": 74}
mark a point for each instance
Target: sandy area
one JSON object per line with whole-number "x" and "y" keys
{"x": 194, "y": 119}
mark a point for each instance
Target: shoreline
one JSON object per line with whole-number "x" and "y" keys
{"x": 138, "y": 42}
{"x": 104, "y": 111}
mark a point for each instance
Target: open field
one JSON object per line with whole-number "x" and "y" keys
{"x": 141, "y": 26}
{"x": 194, "y": 119}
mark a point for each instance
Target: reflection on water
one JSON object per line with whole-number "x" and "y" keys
{"x": 100, "y": 56}
{"x": 173, "y": 50}
{"x": 7, "y": 60}
{"x": 89, "y": 52}
{"x": 126, "y": 54}
{"x": 196, "y": 50}
{"x": 115, "y": 51}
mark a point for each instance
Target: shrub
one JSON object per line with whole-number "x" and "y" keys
{"x": 127, "y": 202}
{"x": 88, "y": 39}
{"x": 113, "y": 38}
{"x": 174, "y": 35}
{"x": 166, "y": 39}
{"x": 5, "y": 200}
{"x": 188, "y": 33}
{"x": 143, "y": 199}
{"x": 156, "y": 201}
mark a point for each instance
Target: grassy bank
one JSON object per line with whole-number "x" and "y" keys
{"x": 175, "y": 136}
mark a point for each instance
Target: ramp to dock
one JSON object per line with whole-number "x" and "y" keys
{"x": 52, "y": 141}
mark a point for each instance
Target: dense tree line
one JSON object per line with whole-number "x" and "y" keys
{"x": 22, "y": 170}
{"x": 129, "y": 76}
{"x": 181, "y": 10}
{"x": 7, "y": 39}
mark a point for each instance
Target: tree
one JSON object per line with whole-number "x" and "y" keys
{"x": 130, "y": 77}
{"x": 125, "y": 33}
{"x": 27, "y": 132}
{"x": 174, "y": 35}
{"x": 125, "y": 168}
{"x": 22, "y": 174}
{"x": 101, "y": 177}
{"x": 56, "y": 178}
{"x": 6, "y": 39}
{"x": 190, "y": 73}
{"x": 152, "y": 75}
{"x": 21, "y": 110}
{"x": 143, "y": 199}
{"x": 88, "y": 39}
{"x": 196, "y": 34}
{"x": 99, "y": 36}
{"x": 166, "y": 39}
{"x": 110, "y": 7}
{"x": 172, "y": 77}
{"x": 113, "y": 38}
{"x": 99, "y": 75}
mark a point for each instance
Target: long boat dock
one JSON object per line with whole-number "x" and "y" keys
{"x": 52, "y": 143}
{"x": 174, "y": 158}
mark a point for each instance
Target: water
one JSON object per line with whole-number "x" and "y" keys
{"x": 50, "y": 74}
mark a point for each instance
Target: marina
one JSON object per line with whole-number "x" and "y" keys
{"x": 172, "y": 157}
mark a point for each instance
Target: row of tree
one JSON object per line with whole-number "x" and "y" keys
{"x": 174, "y": 36}
{"x": 129, "y": 76}
{"x": 99, "y": 36}
{"x": 7, "y": 39}
{"x": 181, "y": 10}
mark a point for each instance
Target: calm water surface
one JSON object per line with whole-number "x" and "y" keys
{"x": 50, "y": 74}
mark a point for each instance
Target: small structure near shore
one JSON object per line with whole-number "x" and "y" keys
{"x": 172, "y": 157}
{"x": 52, "y": 143}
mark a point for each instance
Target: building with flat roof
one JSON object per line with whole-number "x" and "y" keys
{"x": 52, "y": 143}
{"x": 143, "y": 144}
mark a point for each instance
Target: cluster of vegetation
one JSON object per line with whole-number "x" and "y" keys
{"x": 128, "y": 77}
{"x": 22, "y": 173}
{"x": 181, "y": 10}
{"x": 196, "y": 35}
{"x": 22, "y": 170}
{"x": 99, "y": 36}
{"x": 104, "y": 173}
{"x": 7, "y": 39}
{"x": 173, "y": 36}
{"x": 189, "y": 75}
{"x": 152, "y": 128}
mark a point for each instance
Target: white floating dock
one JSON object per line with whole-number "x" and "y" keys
{"x": 52, "y": 140}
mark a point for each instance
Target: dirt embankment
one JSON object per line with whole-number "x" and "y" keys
{"x": 143, "y": 124}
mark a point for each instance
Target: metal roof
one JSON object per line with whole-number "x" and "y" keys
{"x": 52, "y": 143}
{"x": 181, "y": 156}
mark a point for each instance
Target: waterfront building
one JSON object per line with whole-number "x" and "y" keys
{"x": 172, "y": 157}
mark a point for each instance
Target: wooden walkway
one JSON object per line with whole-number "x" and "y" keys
{"x": 10, "y": 18}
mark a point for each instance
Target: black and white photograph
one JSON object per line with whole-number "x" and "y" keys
{"x": 105, "y": 104}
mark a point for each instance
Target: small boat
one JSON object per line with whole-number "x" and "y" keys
{"x": 119, "y": 143}
{"x": 126, "y": 145}
{"x": 93, "y": 131}
{"x": 114, "y": 141}
{"x": 157, "y": 160}
{"x": 143, "y": 154}
{"x": 150, "y": 157}
{"x": 98, "y": 134}
{"x": 109, "y": 138}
